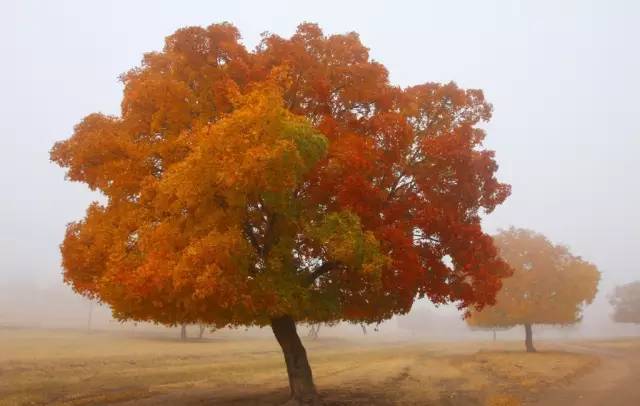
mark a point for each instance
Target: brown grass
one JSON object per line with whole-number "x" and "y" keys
{"x": 72, "y": 368}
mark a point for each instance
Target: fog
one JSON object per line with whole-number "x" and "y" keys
{"x": 562, "y": 76}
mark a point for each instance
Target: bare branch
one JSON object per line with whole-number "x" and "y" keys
{"x": 248, "y": 231}
{"x": 323, "y": 269}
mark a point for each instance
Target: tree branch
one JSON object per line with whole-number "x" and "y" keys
{"x": 323, "y": 269}
{"x": 248, "y": 230}
{"x": 270, "y": 237}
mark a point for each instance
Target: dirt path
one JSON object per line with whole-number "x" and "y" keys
{"x": 615, "y": 382}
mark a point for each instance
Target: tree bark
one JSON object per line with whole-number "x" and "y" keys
{"x": 303, "y": 391}
{"x": 528, "y": 341}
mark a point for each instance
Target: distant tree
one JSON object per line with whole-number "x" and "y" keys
{"x": 202, "y": 327}
{"x": 626, "y": 303}
{"x": 549, "y": 285}
{"x": 492, "y": 329}
{"x": 289, "y": 184}
{"x": 314, "y": 331}
{"x": 183, "y": 332}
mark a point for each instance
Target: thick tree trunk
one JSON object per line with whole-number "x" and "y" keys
{"x": 528, "y": 341}
{"x": 183, "y": 332}
{"x": 303, "y": 391}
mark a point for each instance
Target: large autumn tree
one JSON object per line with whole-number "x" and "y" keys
{"x": 290, "y": 184}
{"x": 626, "y": 303}
{"x": 549, "y": 285}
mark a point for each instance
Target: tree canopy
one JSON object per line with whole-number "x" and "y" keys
{"x": 626, "y": 303}
{"x": 549, "y": 285}
{"x": 292, "y": 180}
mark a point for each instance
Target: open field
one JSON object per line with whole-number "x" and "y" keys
{"x": 39, "y": 367}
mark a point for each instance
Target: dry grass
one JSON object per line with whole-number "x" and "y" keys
{"x": 71, "y": 368}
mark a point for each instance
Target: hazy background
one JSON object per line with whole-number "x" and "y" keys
{"x": 563, "y": 78}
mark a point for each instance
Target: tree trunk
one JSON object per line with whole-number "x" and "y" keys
{"x": 183, "y": 332}
{"x": 203, "y": 327}
{"x": 303, "y": 391}
{"x": 494, "y": 336}
{"x": 314, "y": 331}
{"x": 528, "y": 341}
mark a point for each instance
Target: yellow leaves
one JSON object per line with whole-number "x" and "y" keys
{"x": 281, "y": 76}
{"x": 549, "y": 284}
{"x": 343, "y": 239}
{"x": 99, "y": 154}
{"x": 259, "y": 148}
{"x": 214, "y": 268}
{"x": 270, "y": 168}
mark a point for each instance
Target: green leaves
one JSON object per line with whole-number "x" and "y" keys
{"x": 311, "y": 145}
{"x": 344, "y": 241}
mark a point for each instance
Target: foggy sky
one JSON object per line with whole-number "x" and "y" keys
{"x": 562, "y": 76}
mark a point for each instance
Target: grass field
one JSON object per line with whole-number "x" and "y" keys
{"x": 40, "y": 367}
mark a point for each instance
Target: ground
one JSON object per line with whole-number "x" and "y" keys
{"x": 39, "y": 367}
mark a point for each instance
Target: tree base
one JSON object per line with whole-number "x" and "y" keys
{"x": 308, "y": 402}
{"x": 528, "y": 340}
{"x": 303, "y": 390}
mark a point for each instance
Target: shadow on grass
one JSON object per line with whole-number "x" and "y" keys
{"x": 330, "y": 397}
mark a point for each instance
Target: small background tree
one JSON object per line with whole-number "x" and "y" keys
{"x": 202, "y": 328}
{"x": 314, "y": 331}
{"x": 549, "y": 285}
{"x": 625, "y": 300}
{"x": 493, "y": 330}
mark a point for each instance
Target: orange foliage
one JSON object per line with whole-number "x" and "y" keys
{"x": 293, "y": 179}
{"x": 549, "y": 284}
